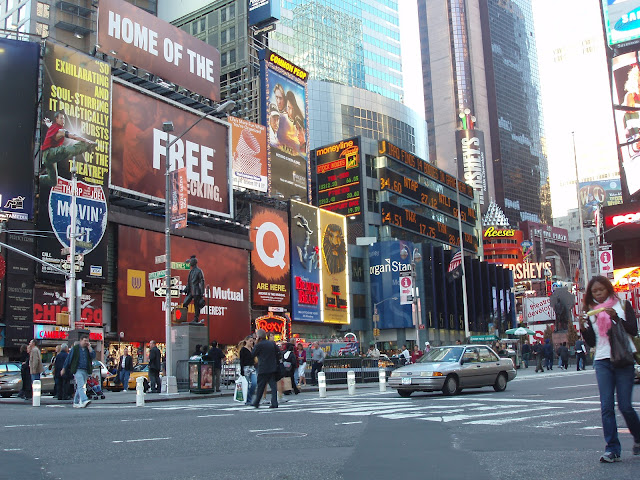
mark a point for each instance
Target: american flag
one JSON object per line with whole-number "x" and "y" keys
{"x": 351, "y": 348}
{"x": 455, "y": 261}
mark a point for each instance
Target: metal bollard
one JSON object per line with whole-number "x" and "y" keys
{"x": 36, "y": 387}
{"x": 351, "y": 382}
{"x": 382, "y": 378}
{"x": 322, "y": 385}
{"x": 140, "y": 392}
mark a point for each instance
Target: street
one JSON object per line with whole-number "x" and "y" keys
{"x": 544, "y": 426}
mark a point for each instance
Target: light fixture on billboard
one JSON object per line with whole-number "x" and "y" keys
{"x": 296, "y": 198}
{"x": 77, "y": 34}
{"x": 225, "y": 108}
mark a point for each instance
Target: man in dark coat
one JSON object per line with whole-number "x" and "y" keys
{"x": 215, "y": 355}
{"x": 563, "y": 353}
{"x": 195, "y": 288}
{"x": 125, "y": 366}
{"x": 154, "y": 367}
{"x": 537, "y": 353}
{"x": 581, "y": 354}
{"x": 62, "y": 382}
{"x": 267, "y": 353}
{"x": 548, "y": 354}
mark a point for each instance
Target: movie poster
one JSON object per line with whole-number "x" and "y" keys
{"x": 305, "y": 263}
{"x": 76, "y": 111}
{"x": 335, "y": 273}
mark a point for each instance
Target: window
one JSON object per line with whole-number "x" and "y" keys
{"x": 22, "y": 13}
{"x": 232, "y": 56}
{"x": 359, "y": 306}
{"x": 223, "y": 59}
{"x": 42, "y": 29}
{"x": 487, "y": 356}
{"x": 357, "y": 269}
{"x": 42, "y": 10}
{"x": 373, "y": 204}
{"x": 370, "y": 162}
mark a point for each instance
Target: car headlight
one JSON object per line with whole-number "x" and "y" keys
{"x": 426, "y": 374}
{"x": 396, "y": 373}
{"x": 15, "y": 381}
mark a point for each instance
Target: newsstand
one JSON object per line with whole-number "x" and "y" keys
{"x": 200, "y": 376}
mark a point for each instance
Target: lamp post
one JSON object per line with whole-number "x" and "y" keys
{"x": 416, "y": 257}
{"x": 585, "y": 265}
{"x": 465, "y": 308}
{"x": 167, "y": 127}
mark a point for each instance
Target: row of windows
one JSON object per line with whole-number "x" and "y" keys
{"x": 355, "y": 7}
{"x": 377, "y": 42}
{"x": 382, "y": 91}
{"x": 382, "y": 60}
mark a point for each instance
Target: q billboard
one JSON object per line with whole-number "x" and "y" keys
{"x": 270, "y": 269}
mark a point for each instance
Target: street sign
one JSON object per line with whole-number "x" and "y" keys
{"x": 276, "y": 309}
{"x": 180, "y": 265}
{"x": 158, "y": 274}
{"x": 406, "y": 288}
{"x": 174, "y": 282}
{"x": 376, "y": 319}
{"x": 162, "y": 292}
{"x": 482, "y": 338}
{"x": 605, "y": 257}
{"x": 160, "y": 259}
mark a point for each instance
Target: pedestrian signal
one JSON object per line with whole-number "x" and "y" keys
{"x": 179, "y": 315}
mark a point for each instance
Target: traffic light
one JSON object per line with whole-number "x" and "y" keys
{"x": 179, "y": 315}
{"x": 376, "y": 332}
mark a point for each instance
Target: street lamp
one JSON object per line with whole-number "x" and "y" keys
{"x": 167, "y": 127}
{"x": 416, "y": 257}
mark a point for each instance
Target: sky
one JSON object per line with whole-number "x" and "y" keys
{"x": 575, "y": 92}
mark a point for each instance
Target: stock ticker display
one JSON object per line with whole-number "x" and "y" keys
{"x": 338, "y": 177}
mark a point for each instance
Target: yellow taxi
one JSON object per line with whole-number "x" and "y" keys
{"x": 112, "y": 382}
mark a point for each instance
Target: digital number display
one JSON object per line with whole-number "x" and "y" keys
{"x": 390, "y": 180}
{"x": 338, "y": 175}
{"x": 408, "y": 220}
{"x": 409, "y": 159}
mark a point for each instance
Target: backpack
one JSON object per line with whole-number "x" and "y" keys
{"x": 287, "y": 360}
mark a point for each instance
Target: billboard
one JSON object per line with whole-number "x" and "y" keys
{"x": 248, "y": 154}
{"x": 270, "y": 268}
{"x": 141, "y": 314}
{"x": 621, "y": 20}
{"x": 141, "y": 39}
{"x": 19, "y": 80}
{"x": 385, "y": 267}
{"x": 305, "y": 263}
{"x": 338, "y": 177}
{"x": 139, "y": 150}
{"x": 626, "y": 101}
{"x": 285, "y": 114}
{"x": 473, "y": 167}
{"x": 76, "y": 105}
{"x": 598, "y": 193}
{"x": 263, "y": 12}
{"x": 334, "y": 271}
{"x": 50, "y": 300}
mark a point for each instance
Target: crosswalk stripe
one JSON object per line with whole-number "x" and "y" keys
{"x": 457, "y": 418}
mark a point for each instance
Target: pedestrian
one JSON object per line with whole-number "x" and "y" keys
{"x": 373, "y": 352}
{"x": 581, "y": 354}
{"x": 198, "y": 351}
{"x": 25, "y": 375}
{"x": 612, "y": 380}
{"x": 61, "y": 381}
{"x": 538, "y": 353}
{"x": 216, "y": 355}
{"x": 267, "y": 353}
{"x": 125, "y": 367}
{"x": 405, "y": 356}
{"x": 302, "y": 364}
{"x": 526, "y": 353}
{"x": 317, "y": 362}
{"x": 458, "y": 342}
{"x": 248, "y": 368}
{"x": 547, "y": 351}
{"x": 35, "y": 361}
{"x": 290, "y": 361}
{"x": 564, "y": 355}
{"x": 155, "y": 365}
{"x": 427, "y": 347}
{"x": 80, "y": 364}
{"x": 416, "y": 354}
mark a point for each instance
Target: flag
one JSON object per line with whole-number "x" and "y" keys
{"x": 578, "y": 268}
{"x": 454, "y": 271}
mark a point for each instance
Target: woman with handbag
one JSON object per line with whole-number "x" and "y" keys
{"x": 608, "y": 325}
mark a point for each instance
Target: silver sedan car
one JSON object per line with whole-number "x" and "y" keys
{"x": 453, "y": 368}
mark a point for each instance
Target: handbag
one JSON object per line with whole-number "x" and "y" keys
{"x": 621, "y": 354}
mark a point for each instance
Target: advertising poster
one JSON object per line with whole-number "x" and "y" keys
{"x": 335, "y": 273}
{"x": 270, "y": 269}
{"x": 470, "y": 148}
{"x": 19, "y": 80}
{"x": 141, "y": 314}
{"x": 263, "y": 12}
{"x": 626, "y": 100}
{"x": 604, "y": 193}
{"x": 305, "y": 263}
{"x": 139, "y": 38}
{"x": 385, "y": 267}
{"x": 538, "y": 309}
{"x": 179, "y": 198}
{"x": 248, "y": 154}
{"x": 76, "y": 106}
{"x": 50, "y": 300}
{"x": 139, "y": 150}
{"x": 622, "y": 20}
{"x": 285, "y": 116}
{"x": 338, "y": 175}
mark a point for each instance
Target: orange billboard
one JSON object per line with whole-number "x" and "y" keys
{"x": 248, "y": 154}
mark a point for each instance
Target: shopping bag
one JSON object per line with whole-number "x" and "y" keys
{"x": 286, "y": 384}
{"x": 241, "y": 390}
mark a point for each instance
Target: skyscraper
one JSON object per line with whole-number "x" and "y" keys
{"x": 480, "y": 76}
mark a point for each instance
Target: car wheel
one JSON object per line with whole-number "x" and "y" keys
{"x": 405, "y": 393}
{"x": 501, "y": 383}
{"x": 5, "y": 395}
{"x": 450, "y": 386}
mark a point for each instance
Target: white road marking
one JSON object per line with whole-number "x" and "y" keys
{"x": 457, "y": 418}
{"x": 142, "y": 440}
{"x": 137, "y": 420}
{"x": 531, "y": 418}
{"x": 11, "y": 449}
{"x": 574, "y": 386}
{"x": 349, "y": 423}
{"x": 591, "y": 428}
{"x": 266, "y": 430}
{"x": 216, "y": 415}
{"x": 19, "y": 426}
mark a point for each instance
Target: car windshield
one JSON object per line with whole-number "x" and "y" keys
{"x": 442, "y": 354}
{"x": 10, "y": 367}
{"x": 141, "y": 367}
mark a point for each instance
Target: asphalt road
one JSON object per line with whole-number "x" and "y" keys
{"x": 544, "y": 426}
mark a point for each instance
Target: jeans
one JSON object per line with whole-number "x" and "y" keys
{"x": 124, "y": 378}
{"x": 580, "y": 361}
{"x": 539, "y": 366}
{"x": 154, "y": 381}
{"x": 315, "y": 368}
{"x": 263, "y": 379}
{"x": 252, "y": 380}
{"x": 620, "y": 381}
{"x": 35, "y": 376}
{"x": 549, "y": 363}
{"x": 217, "y": 372}
{"x": 525, "y": 360}
{"x": 81, "y": 386}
